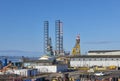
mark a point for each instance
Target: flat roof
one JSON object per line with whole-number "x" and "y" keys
{"x": 38, "y": 61}
{"x": 99, "y": 51}
{"x": 96, "y": 56}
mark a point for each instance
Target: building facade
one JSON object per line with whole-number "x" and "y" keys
{"x": 46, "y": 66}
{"x": 89, "y": 61}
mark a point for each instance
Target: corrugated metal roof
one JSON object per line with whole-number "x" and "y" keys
{"x": 96, "y": 56}
{"x": 99, "y": 51}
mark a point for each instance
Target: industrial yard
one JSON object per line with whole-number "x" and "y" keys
{"x": 58, "y": 65}
{"x": 59, "y": 40}
{"x": 32, "y": 74}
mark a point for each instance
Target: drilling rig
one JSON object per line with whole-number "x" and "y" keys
{"x": 76, "y": 49}
{"x": 49, "y": 47}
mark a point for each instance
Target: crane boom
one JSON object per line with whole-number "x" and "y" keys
{"x": 76, "y": 49}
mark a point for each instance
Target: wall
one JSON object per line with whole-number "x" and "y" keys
{"x": 46, "y": 69}
{"x": 52, "y": 68}
{"x": 62, "y": 68}
{"x": 23, "y": 72}
{"x": 77, "y": 62}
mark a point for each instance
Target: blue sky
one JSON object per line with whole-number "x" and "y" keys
{"x": 97, "y": 22}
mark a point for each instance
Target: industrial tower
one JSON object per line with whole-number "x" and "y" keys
{"x": 76, "y": 49}
{"x": 47, "y": 40}
{"x": 58, "y": 37}
{"x": 46, "y": 36}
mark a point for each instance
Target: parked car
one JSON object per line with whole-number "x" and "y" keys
{"x": 99, "y": 74}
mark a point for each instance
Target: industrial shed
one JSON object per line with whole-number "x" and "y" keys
{"x": 46, "y": 66}
{"x": 98, "y": 60}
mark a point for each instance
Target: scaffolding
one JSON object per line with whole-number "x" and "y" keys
{"x": 46, "y": 35}
{"x": 58, "y": 37}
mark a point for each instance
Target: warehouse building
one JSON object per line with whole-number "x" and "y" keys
{"x": 44, "y": 66}
{"x": 47, "y": 64}
{"x": 98, "y": 60}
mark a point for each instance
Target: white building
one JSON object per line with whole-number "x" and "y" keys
{"x": 90, "y": 60}
{"x": 104, "y": 52}
{"x": 23, "y": 72}
{"x": 46, "y": 66}
{"x": 52, "y": 68}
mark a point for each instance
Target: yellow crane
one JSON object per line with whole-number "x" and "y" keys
{"x": 76, "y": 49}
